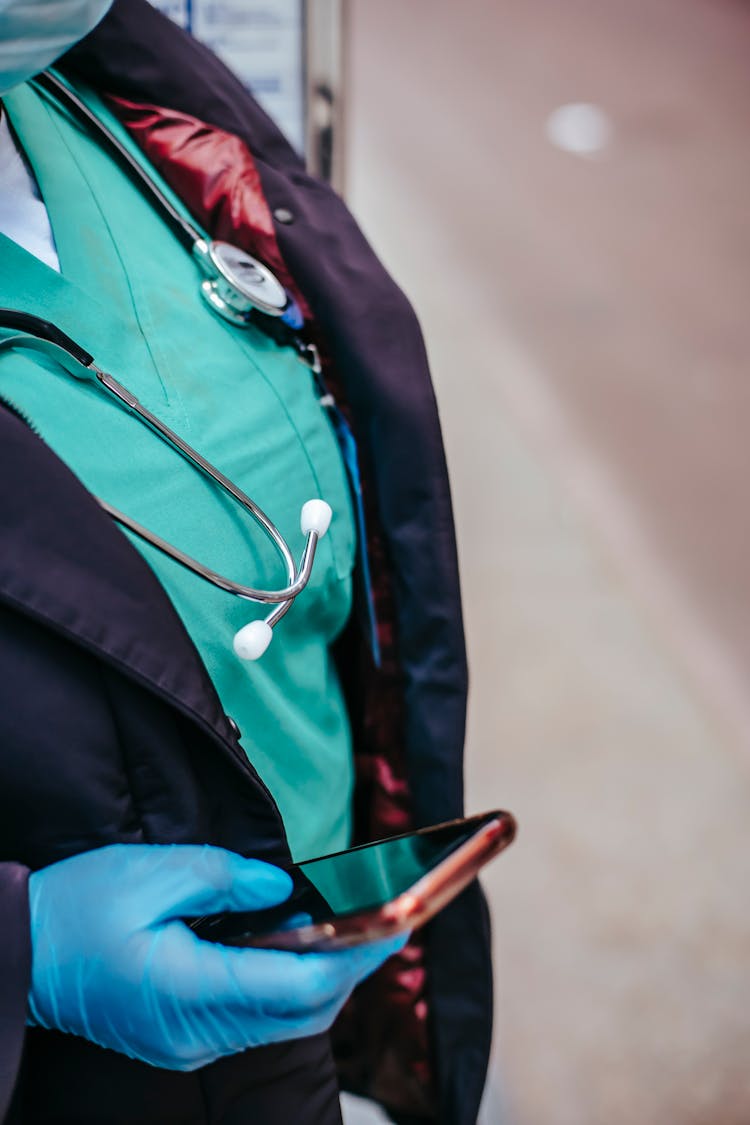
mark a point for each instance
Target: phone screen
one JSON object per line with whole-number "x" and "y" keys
{"x": 350, "y": 882}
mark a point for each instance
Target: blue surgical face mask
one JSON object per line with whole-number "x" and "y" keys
{"x": 33, "y": 33}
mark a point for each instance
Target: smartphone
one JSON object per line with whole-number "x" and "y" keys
{"x": 369, "y": 892}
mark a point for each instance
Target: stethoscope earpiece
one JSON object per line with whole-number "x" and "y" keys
{"x": 252, "y": 640}
{"x": 315, "y": 516}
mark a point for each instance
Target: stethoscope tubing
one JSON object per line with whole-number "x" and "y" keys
{"x": 186, "y": 232}
{"x": 282, "y": 598}
{"x": 116, "y": 390}
{"x": 54, "y": 343}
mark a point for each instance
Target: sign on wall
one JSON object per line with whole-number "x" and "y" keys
{"x": 263, "y": 43}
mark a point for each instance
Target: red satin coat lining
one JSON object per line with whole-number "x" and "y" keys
{"x": 214, "y": 174}
{"x": 382, "y": 1035}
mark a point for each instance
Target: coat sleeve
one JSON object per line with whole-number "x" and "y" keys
{"x": 15, "y": 972}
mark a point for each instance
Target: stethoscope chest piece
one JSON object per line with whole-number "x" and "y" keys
{"x": 236, "y": 283}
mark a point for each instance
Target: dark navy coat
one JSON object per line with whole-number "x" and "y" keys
{"x": 110, "y": 729}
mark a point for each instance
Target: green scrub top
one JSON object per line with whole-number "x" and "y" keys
{"x": 129, "y": 293}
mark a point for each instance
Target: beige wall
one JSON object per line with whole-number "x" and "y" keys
{"x": 587, "y": 322}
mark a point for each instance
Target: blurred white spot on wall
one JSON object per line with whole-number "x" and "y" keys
{"x": 579, "y": 127}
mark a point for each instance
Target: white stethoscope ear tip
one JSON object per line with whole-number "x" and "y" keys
{"x": 315, "y": 516}
{"x": 252, "y": 640}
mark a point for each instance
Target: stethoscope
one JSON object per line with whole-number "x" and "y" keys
{"x": 239, "y": 289}
{"x": 236, "y": 286}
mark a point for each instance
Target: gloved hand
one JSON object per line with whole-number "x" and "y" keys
{"x": 112, "y": 962}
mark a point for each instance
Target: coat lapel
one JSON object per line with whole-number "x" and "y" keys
{"x": 65, "y": 563}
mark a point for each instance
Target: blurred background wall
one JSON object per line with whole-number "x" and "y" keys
{"x": 583, "y": 279}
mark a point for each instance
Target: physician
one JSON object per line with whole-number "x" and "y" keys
{"x": 149, "y": 768}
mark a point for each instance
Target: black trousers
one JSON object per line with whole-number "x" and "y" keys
{"x": 67, "y": 1081}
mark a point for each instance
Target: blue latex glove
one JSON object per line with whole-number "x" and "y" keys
{"x": 112, "y": 962}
